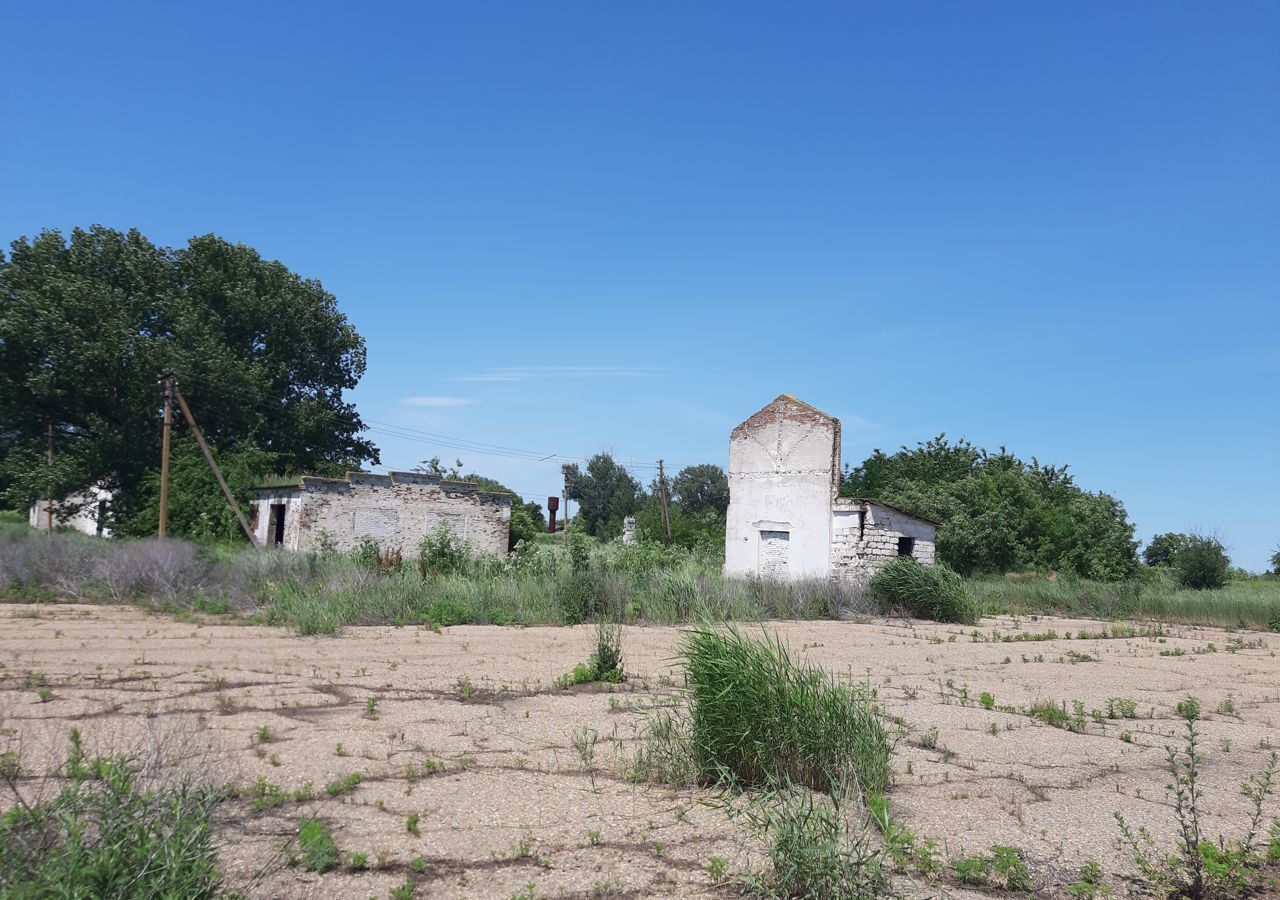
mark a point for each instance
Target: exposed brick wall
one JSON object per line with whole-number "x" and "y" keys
{"x": 775, "y": 554}
{"x": 397, "y": 510}
{"x": 865, "y": 536}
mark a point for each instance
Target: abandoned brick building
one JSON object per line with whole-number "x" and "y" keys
{"x": 786, "y": 517}
{"x": 397, "y": 510}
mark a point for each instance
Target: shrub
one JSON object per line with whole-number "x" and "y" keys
{"x": 757, "y": 715}
{"x": 441, "y": 552}
{"x": 924, "y": 592}
{"x": 605, "y": 664}
{"x": 105, "y": 835}
{"x": 816, "y": 848}
{"x": 579, "y": 596}
{"x": 320, "y": 851}
{"x": 1202, "y": 563}
{"x": 1202, "y": 868}
{"x": 1003, "y": 867}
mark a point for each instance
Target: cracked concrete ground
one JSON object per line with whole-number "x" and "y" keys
{"x": 516, "y": 782}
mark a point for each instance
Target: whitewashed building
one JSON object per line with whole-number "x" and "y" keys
{"x": 786, "y": 517}
{"x": 396, "y": 510}
{"x": 90, "y": 516}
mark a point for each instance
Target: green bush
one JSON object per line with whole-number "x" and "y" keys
{"x": 759, "y": 716}
{"x": 924, "y": 592}
{"x": 816, "y": 849}
{"x": 1202, "y": 563}
{"x": 605, "y": 663}
{"x": 320, "y": 851}
{"x": 440, "y": 552}
{"x": 106, "y": 836}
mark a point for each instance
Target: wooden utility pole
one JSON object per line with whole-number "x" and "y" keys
{"x": 662, "y": 495}
{"x": 217, "y": 473}
{"x": 169, "y": 387}
{"x": 564, "y": 470}
{"x": 48, "y": 500}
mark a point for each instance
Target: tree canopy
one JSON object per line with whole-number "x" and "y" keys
{"x": 699, "y": 488}
{"x": 606, "y": 493}
{"x": 1164, "y": 548}
{"x": 89, "y": 323}
{"x": 999, "y": 513}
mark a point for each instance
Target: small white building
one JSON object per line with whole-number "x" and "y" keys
{"x": 786, "y": 517}
{"x": 90, "y": 516}
{"x": 397, "y": 510}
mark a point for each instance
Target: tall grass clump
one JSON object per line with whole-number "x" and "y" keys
{"x": 923, "y": 592}
{"x": 817, "y": 847}
{"x": 758, "y": 716}
{"x": 106, "y": 835}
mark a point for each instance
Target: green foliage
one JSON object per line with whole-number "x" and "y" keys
{"x": 1202, "y": 564}
{"x": 1275, "y": 562}
{"x": 1164, "y": 548}
{"x": 701, "y": 488}
{"x": 105, "y": 835}
{"x": 440, "y": 552}
{"x": 1091, "y": 885}
{"x": 817, "y": 847}
{"x": 924, "y": 592}
{"x": 1250, "y": 603}
{"x": 756, "y": 715}
{"x": 605, "y": 664}
{"x": 1202, "y": 868}
{"x": 606, "y": 493}
{"x": 1003, "y": 867}
{"x": 703, "y": 532}
{"x": 197, "y": 509}
{"x": 319, "y": 849}
{"x": 87, "y": 325}
{"x": 1001, "y": 514}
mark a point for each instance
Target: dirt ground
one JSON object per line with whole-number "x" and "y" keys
{"x": 519, "y": 786}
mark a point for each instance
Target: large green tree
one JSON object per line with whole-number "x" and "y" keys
{"x": 700, "y": 488}
{"x": 89, "y": 323}
{"x": 1000, "y": 513}
{"x": 606, "y": 493}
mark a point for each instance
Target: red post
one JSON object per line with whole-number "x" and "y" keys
{"x": 553, "y": 503}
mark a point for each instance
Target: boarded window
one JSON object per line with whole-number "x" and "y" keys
{"x": 775, "y": 554}
{"x": 906, "y": 546}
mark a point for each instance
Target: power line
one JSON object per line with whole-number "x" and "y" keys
{"x": 435, "y": 439}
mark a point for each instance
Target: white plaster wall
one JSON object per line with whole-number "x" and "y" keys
{"x": 783, "y": 473}
{"x": 84, "y": 521}
{"x": 260, "y": 516}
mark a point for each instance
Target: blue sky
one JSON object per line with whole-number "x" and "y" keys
{"x": 568, "y": 227}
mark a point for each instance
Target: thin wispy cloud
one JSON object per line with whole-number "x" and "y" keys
{"x": 436, "y": 402}
{"x": 529, "y": 373}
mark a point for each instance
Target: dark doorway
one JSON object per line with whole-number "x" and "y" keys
{"x": 277, "y": 523}
{"x": 906, "y": 546}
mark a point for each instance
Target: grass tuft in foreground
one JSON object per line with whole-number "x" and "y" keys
{"x": 104, "y": 835}
{"x": 757, "y": 716}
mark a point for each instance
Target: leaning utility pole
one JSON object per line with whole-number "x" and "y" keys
{"x": 662, "y": 495}
{"x": 169, "y": 387}
{"x": 217, "y": 473}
